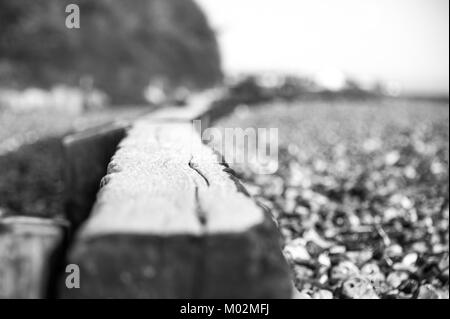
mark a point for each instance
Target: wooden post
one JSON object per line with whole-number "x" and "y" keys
{"x": 171, "y": 221}
{"x": 28, "y": 249}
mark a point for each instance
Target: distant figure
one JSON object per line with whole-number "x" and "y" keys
{"x": 92, "y": 98}
{"x": 155, "y": 93}
{"x": 87, "y": 87}
{"x": 160, "y": 93}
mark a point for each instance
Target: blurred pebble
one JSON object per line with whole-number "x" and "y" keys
{"x": 371, "y": 269}
{"x": 299, "y": 295}
{"x": 323, "y": 279}
{"x": 444, "y": 263}
{"x": 410, "y": 172}
{"x": 289, "y": 206}
{"x": 296, "y": 177}
{"x": 358, "y": 288}
{"x": 293, "y": 149}
{"x": 408, "y": 288}
{"x": 303, "y": 273}
{"x": 286, "y": 233}
{"x": 312, "y": 236}
{"x": 320, "y": 166}
{"x": 322, "y": 294}
{"x": 394, "y": 251}
{"x": 275, "y": 188}
{"x": 382, "y": 288}
{"x": 335, "y": 250}
{"x": 291, "y": 193}
{"x": 445, "y": 293}
{"x": 410, "y": 260}
{"x": 354, "y": 221}
{"x": 372, "y": 145}
{"x": 296, "y": 251}
{"x": 359, "y": 257}
{"x": 429, "y": 271}
{"x": 391, "y": 214}
{"x": 445, "y": 276}
{"x": 437, "y": 168}
{"x": 301, "y": 211}
{"x": 373, "y": 273}
{"x": 392, "y": 158}
{"x": 396, "y": 278}
{"x": 420, "y": 247}
{"x": 439, "y": 249}
{"x": 313, "y": 249}
{"x": 324, "y": 260}
{"x": 343, "y": 271}
{"x": 406, "y": 203}
{"x": 428, "y": 292}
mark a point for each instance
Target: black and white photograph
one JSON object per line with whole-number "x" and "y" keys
{"x": 224, "y": 154}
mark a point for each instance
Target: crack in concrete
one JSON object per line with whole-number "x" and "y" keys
{"x": 201, "y": 214}
{"x": 199, "y": 283}
{"x": 196, "y": 168}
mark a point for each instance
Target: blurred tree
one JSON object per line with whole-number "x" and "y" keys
{"x": 122, "y": 45}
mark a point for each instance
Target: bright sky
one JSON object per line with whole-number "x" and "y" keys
{"x": 398, "y": 41}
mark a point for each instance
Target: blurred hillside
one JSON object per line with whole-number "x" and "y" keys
{"x": 123, "y": 46}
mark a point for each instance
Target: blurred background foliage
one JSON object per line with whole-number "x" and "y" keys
{"x": 122, "y": 45}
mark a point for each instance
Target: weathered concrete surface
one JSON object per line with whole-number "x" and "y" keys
{"x": 171, "y": 222}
